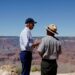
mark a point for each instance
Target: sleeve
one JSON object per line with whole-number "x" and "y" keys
{"x": 24, "y": 39}
{"x": 30, "y": 39}
{"x": 41, "y": 48}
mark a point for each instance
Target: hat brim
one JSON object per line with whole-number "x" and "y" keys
{"x": 35, "y": 22}
{"x": 52, "y": 31}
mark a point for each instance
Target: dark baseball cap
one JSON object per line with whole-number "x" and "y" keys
{"x": 30, "y": 20}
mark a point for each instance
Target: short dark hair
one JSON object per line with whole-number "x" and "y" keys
{"x": 49, "y": 33}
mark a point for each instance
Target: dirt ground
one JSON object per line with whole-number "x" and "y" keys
{"x": 38, "y": 73}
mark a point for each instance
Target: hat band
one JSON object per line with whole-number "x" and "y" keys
{"x": 52, "y": 30}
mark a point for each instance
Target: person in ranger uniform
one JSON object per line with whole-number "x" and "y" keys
{"x": 49, "y": 49}
{"x": 26, "y": 45}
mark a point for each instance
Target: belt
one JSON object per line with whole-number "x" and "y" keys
{"x": 27, "y": 51}
{"x": 49, "y": 59}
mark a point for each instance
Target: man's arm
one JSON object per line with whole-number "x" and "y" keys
{"x": 24, "y": 39}
{"x": 36, "y": 43}
{"x": 41, "y": 48}
{"x": 60, "y": 51}
{"x": 32, "y": 43}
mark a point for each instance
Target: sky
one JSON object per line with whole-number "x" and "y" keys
{"x": 13, "y": 14}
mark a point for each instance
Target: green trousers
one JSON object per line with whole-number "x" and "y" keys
{"x": 48, "y": 67}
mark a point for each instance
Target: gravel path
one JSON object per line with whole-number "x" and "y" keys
{"x": 38, "y": 73}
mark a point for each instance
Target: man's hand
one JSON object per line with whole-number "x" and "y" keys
{"x": 36, "y": 43}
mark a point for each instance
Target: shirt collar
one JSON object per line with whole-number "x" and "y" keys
{"x": 27, "y": 28}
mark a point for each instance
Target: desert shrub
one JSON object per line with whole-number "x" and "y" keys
{"x": 9, "y": 70}
{"x": 35, "y": 68}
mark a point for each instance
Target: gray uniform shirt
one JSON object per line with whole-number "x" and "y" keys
{"x": 50, "y": 47}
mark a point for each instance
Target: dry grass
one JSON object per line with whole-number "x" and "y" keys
{"x": 35, "y": 68}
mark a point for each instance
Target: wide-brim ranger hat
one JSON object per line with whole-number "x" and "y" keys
{"x": 30, "y": 20}
{"x": 52, "y": 28}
